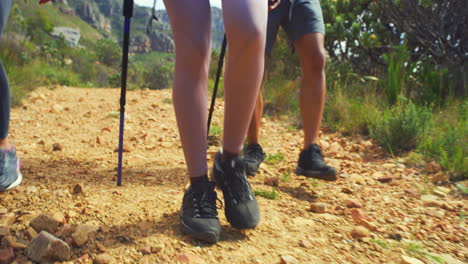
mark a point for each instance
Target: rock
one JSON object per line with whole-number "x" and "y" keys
{"x": 6, "y": 255}
{"x": 288, "y": 260}
{"x": 389, "y": 165}
{"x": 17, "y": 245}
{"x": 413, "y": 192}
{"x": 410, "y": 260}
{"x": 26, "y": 218}
{"x": 4, "y": 231}
{"x": 65, "y": 231}
{"x": 71, "y": 214}
{"x": 352, "y": 203}
{"x": 30, "y": 233}
{"x": 441, "y": 189}
{"x": 104, "y": 259}
{"x": 446, "y": 257}
{"x": 45, "y": 222}
{"x": 439, "y": 177}
{"x": 189, "y": 258}
{"x": 306, "y": 243}
{"x": 46, "y": 248}
{"x": 359, "y": 216}
{"x": 433, "y": 167}
{"x": 100, "y": 247}
{"x": 319, "y": 208}
{"x": 78, "y": 188}
{"x": 359, "y": 232}
{"x": 125, "y": 148}
{"x": 59, "y": 217}
{"x": 356, "y": 178}
{"x": 346, "y": 190}
{"x": 385, "y": 179}
{"x": 431, "y": 200}
{"x": 81, "y": 235}
{"x": 335, "y": 147}
{"x": 7, "y": 219}
{"x": 145, "y": 251}
{"x": 271, "y": 181}
{"x": 324, "y": 144}
{"x": 57, "y": 147}
{"x": 436, "y": 213}
{"x": 395, "y": 236}
{"x": 362, "y": 219}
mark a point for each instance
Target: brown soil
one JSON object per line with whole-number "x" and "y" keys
{"x": 139, "y": 221}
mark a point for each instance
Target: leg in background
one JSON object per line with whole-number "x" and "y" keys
{"x": 5, "y": 6}
{"x": 312, "y": 55}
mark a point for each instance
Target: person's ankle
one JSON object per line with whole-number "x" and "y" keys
{"x": 202, "y": 178}
{"x": 4, "y": 144}
{"x": 228, "y": 155}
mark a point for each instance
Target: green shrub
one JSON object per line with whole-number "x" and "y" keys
{"x": 401, "y": 128}
{"x": 447, "y": 140}
{"x": 108, "y": 52}
{"x": 159, "y": 77}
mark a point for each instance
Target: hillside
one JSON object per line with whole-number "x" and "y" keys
{"x": 106, "y": 16}
{"x": 380, "y": 210}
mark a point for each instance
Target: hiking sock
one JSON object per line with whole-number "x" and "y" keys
{"x": 203, "y": 178}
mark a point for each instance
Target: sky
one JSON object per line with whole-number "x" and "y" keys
{"x": 160, "y": 4}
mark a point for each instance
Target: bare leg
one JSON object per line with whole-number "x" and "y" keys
{"x": 253, "y": 134}
{"x": 190, "y": 21}
{"x": 244, "y": 68}
{"x": 311, "y": 51}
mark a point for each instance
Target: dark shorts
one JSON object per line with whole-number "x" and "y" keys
{"x": 304, "y": 17}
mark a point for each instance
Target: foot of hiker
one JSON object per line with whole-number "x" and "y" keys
{"x": 198, "y": 215}
{"x": 311, "y": 164}
{"x": 253, "y": 157}
{"x": 240, "y": 204}
{"x": 10, "y": 175}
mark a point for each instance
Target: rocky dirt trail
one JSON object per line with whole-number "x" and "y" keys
{"x": 380, "y": 210}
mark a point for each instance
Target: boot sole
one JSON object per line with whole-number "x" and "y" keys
{"x": 18, "y": 180}
{"x": 219, "y": 179}
{"x": 329, "y": 175}
{"x": 210, "y": 237}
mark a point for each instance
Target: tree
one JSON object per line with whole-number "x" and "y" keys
{"x": 434, "y": 30}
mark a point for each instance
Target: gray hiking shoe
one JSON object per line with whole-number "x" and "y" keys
{"x": 10, "y": 175}
{"x": 253, "y": 157}
{"x": 241, "y": 208}
{"x": 311, "y": 164}
{"x": 198, "y": 215}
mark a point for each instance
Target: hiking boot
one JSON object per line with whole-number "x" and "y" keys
{"x": 198, "y": 215}
{"x": 241, "y": 208}
{"x": 311, "y": 164}
{"x": 10, "y": 175}
{"x": 253, "y": 157}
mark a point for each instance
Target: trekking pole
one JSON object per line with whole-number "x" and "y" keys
{"x": 218, "y": 76}
{"x": 128, "y": 13}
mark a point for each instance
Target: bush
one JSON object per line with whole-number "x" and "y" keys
{"x": 447, "y": 140}
{"x": 159, "y": 77}
{"x": 108, "y": 52}
{"x": 401, "y": 128}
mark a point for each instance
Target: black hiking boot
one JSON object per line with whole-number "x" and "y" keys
{"x": 311, "y": 164}
{"x": 198, "y": 215}
{"x": 241, "y": 208}
{"x": 253, "y": 157}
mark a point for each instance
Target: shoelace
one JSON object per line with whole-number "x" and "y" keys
{"x": 237, "y": 182}
{"x": 204, "y": 204}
